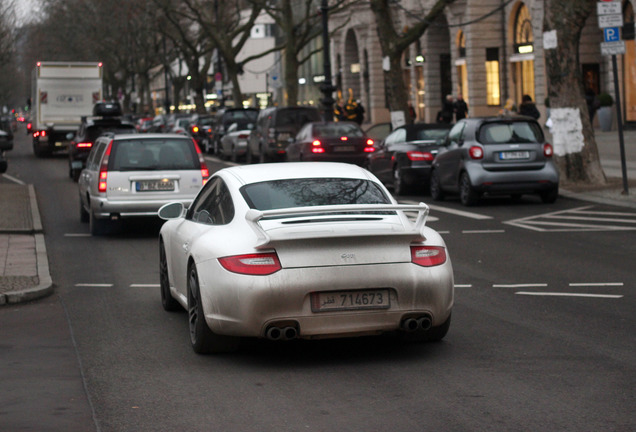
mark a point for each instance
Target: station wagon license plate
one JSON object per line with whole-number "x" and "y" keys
{"x": 155, "y": 185}
{"x": 514, "y": 155}
{"x": 350, "y": 300}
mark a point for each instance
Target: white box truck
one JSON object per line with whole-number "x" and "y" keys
{"x": 62, "y": 93}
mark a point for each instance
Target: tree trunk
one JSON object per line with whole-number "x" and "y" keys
{"x": 290, "y": 72}
{"x": 574, "y": 142}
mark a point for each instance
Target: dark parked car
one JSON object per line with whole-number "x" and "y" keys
{"x": 274, "y": 127}
{"x": 404, "y": 159}
{"x": 201, "y": 129}
{"x": 91, "y": 129}
{"x": 226, "y": 117}
{"x": 331, "y": 142}
{"x": 495, "y": 156}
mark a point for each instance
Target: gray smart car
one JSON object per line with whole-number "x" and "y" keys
{"x": 495, "y": 156}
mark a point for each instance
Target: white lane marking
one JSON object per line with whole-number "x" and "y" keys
{"x": 77, "y": 235}
{"x": 483, "y": 231}
{"x": 13, "y": 179}
{"x": 94, "y": 285}
{"x": 144, "y": 285}
{"x": 459, "y": 212}
{"x": 597, "y": 284}
{"x": 463, "y": 286}
{"x": 557, "y": 294}
{"x": 529, "y": 285}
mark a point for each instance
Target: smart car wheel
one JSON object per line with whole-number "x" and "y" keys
{"x": 167, "y": 301}
{"x": 467, "y": 195}
{"x": 203, "y": 340}
{"x": 436, "y": 189}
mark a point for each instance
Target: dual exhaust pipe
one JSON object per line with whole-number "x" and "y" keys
{"x": 413, "y": 324}
{"x": 281, "y": 333}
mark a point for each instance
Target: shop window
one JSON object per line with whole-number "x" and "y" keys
{"x": 493, "y": 91}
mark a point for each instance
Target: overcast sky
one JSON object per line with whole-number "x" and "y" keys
{"x": 27, "y": 9}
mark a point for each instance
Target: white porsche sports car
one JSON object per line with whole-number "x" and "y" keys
{"x": 302, "y": 250}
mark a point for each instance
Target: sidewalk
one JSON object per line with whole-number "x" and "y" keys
{"x": 24, "y": 266}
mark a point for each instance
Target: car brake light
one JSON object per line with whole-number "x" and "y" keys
{"x": 103, "y": 169}
{"x": 420, "y": 156}
{"x": 428, "y": 256}
{"x": 43, "y": 133}
{"x": 205, "y": 172}
{"x": 344, "y": 138}
{"x": 195, "y": 129}
{"x": 243, "y": 136}
{"x": 548, "y": 150}
{"x": 316, "y": 147}
{"x": 84, "y": 145}
{"x": 476, "y": 152}
{"x": 252, "y": 264}
{"x": 369, "y": 148}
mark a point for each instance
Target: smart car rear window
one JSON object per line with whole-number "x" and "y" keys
{"x": 153, "y": 154}
{"x": 312, "y": 192}
{"x": 515, "y": 132}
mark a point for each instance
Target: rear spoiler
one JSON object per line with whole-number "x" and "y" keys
{"x": 254, "y": 216}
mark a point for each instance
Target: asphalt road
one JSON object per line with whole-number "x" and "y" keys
{"x": 543, "y": 335}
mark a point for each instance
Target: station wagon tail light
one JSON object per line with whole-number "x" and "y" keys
{"x": 548, "y": 150}
{"x": 476, "y": 152}
{"x": 205, "y": 172}
{"x": 420, "y": 156}
{"x": 316, "y": 147}
{"x": 428, "y": 256}
{"x": 103, "y": 169}
{"x": 258, "y": 264}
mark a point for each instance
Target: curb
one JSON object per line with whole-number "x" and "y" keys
{"x": 45, "y": 288}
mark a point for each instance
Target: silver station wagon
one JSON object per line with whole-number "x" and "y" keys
{"x": 130, "y": 176}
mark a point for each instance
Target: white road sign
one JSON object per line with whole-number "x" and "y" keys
{"x": 608, "y": 8}
{"x": 612, "y": 48}
{"x": 613, "y": 20}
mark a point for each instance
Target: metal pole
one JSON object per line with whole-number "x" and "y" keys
{"x": 326, "y": 87}
{"x": 620, "y": 127}
{"x": 166, "y": 101}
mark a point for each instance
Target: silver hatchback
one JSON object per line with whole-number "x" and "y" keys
{"x": 130, "y": 176}
{"x": 495, "y": 156}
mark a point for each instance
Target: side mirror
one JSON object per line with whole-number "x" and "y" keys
{"x": 173, "y": 210}
{"x": 70, "y": 136}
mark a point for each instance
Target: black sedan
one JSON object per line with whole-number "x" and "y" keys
{"x": 403, "y": 160}
{"x": 332, "y": 142}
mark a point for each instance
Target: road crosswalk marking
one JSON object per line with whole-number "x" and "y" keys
{"x": 577, "y": 219}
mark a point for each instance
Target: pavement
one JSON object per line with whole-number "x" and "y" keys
{"x": 24, "y": 266}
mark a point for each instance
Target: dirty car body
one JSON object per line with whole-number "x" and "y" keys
{"x": 302, "y": 250}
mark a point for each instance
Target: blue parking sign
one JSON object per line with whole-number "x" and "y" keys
{"x": 611, "y": 34}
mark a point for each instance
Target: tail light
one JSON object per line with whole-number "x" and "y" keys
{"x": 84, "y": 145}
{"x": 548, "y": 150}
{"x": 476, "y": 152}
{"x": 243, "y": 136}
{"x": 344, "y": 138}
{"x": 252, "y": 264}
{"x": 29, "y": 126}
{"x": 316, "y": 147}
{"x": 369, "y": 148}
{"x": 428, "y": 256}
{"x": 420, "y": 156}
{"x": 205, "y": 172}
{"x": 103, "y": 169}
{"x": 195, "y": 129}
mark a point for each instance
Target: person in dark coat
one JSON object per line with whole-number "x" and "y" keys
{"x": 447, "y": 112}
{"x": 528, "y": 108}
{"x": 461, "y": 108}
{"x": 592, "y": 103}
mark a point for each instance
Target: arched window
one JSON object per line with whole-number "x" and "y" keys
{"x": 523, "y": 56}
{"x": 524, "y": 38}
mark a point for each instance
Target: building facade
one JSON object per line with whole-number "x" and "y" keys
{"x": 489, "y": 51}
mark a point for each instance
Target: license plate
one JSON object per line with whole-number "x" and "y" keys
{"x": 343, "y": 148}
{"x": 155, "y": 185}
{"x": 514, "y": 155}
{"x": 350, "y": 300}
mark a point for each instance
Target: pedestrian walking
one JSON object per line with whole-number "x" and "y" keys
{"x": 445, "y": 115}
{"x": 461, "y": 108}
{"x": 528, "y": 108}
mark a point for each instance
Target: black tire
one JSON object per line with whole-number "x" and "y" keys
{"x": 399, "y": 187}
{"x": 167, "y": 301}
{"x": 549, "y": 197}
{"x": 75, "y": 174}
{"x": 437, "y": 194}
{"x": 98, "y": 227}
{"x": 467, "y": 195}
{"x": 84, "y": 216}
{"x": 202, "y": 338}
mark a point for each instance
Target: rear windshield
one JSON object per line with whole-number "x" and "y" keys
{"x": 153, "y": 154}
{"x": 336, "y": 130}
{"x": 312, "y": 192}
{"x": 296, "y": 117}
{"x": 431, "y": 134}
{"x": 239, "y": 116}
{"x": 515, "y": 132}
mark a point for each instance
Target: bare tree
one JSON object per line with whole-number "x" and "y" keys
{"x": 394, "y": 40}
{"x": 578, "y": 163}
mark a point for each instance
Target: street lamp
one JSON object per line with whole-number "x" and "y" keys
{"x": 326, "y": 87}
